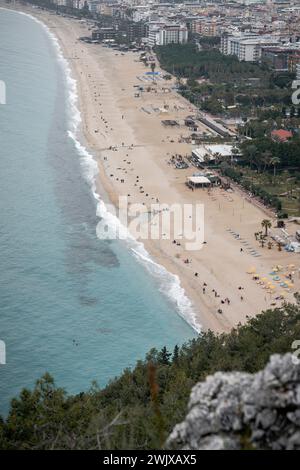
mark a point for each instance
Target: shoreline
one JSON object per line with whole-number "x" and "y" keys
{"x": 93, "y": 68}
{"x": 101, "y": 190}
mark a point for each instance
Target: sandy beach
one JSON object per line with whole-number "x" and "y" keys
{"x": 137, "y": 167}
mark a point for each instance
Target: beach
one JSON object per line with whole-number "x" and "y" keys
{"x": 132, "y": 148}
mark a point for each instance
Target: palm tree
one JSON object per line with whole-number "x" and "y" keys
{"x": 266, "y": 158}
{"x": 251, "y": 153}
{"x": 266, "y": 224}
{"x": 274, "y": 161}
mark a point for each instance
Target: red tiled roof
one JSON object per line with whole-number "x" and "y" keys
{"x": 282, "y": 134}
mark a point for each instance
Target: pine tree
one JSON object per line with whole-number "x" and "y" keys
{"x": 164, "y": 356}
{"x": 176, "y": 354}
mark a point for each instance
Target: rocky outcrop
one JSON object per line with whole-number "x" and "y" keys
{"x": 243, "y": 411}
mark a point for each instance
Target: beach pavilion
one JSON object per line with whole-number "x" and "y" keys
{"x": 198, "y": 182}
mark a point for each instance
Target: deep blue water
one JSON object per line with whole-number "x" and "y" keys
{"x": 78, "y": 307}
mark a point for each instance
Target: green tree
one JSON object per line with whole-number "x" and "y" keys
{"x": 164, "y": 356}
{"x": 251, "y": 153}
{"x": 175, "y": 356}
{"x": 266, "y": 224}
{"x": 138, "y": 409}
{"x": 274, "y": 162}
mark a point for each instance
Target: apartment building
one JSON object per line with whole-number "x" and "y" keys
{"x": 208, "y": 27}
{"x": 167, "y": 34}
{"x": 283, "y": 58}
{"x": 246, "y": 47}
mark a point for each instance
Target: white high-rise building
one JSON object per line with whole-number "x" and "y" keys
{"x": 162, "y": 35}
{"x": 246, "y": 47}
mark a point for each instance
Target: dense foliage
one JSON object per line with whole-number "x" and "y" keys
{"x": 287, "y": 153}
{"x": 223, "y": 85}
{"x": 208, "y": 42}
{"x": 186, "y": 61}
{"x": 138, "y": 409}
{"x": 258, "y": 191}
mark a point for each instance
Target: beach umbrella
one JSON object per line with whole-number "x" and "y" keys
{"x": 264, "y": 279}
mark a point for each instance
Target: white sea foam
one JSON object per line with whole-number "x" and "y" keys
{"x": 169, "y": 283}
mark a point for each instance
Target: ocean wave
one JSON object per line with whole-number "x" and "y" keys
{"x": 169, "y": 283}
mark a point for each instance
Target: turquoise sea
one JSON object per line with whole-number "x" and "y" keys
{"x": 78, "y": 307}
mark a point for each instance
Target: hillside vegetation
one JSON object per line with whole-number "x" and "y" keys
{"x": 139, "y": 409}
